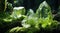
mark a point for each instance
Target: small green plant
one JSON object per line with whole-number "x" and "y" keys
{"x": 32, "y": 22}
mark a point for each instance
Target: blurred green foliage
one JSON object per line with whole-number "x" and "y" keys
{"x": 33, "y": 23}
{"x": 14, "y": 20}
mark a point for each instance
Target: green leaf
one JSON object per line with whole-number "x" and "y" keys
{"x": 17, "y": 30}
{"x": 43, "y": 10}
{"x": 5, "y": 5}
{"x": 18, "y": 12}
{"x": 30, "y": 13}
